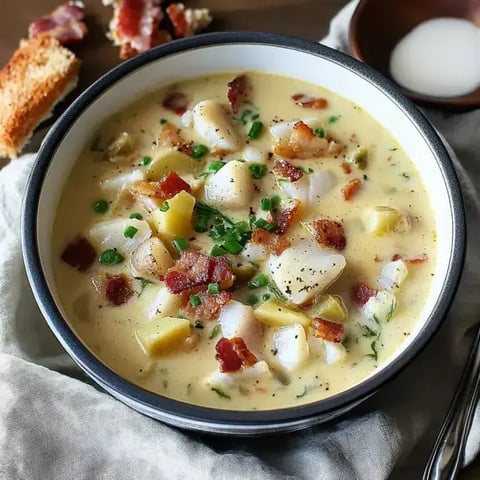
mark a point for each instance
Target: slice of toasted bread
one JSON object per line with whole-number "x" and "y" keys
{"x": 40, "y": 73}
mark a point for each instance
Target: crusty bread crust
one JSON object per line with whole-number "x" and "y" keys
{"x": 40, "y": 73}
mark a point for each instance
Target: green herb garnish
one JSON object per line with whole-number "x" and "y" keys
{"x": 217, "y": 251}
{"x": 213, "y": 289}
{"x": 164, "y": 207}
{"x": 111, "y": 257}
{"x": 374, "y": 353}
{"x": 163, "y": 121}
{"x": 198, "y": 151}
{"x": 195, "y": 300}
{"x": 252, "y": 299}
{"x": 333, "y": 118}
{"x": 266, "y": 296}
{"x": 180, "y": 244}
{"x": 259, "y": 281}
{"x": 255, "y": 130}
{"x": 319, "y": 132}
{"x": 100, "y": 206}
{"x": 215, "y": 332}
{"x": 145, "y": 161}
{"x": 130, "y": 231}
{"x": 220, "y": 393}
{"x": 136, "y": 216}
{"x": 265, "y": 204}
{"x": 143, "y": 284}
{"x": 216, "y": 166}
{"x": 257, "y": 170}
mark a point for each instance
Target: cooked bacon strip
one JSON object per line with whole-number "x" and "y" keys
{"x": 170, "y": 136}
{"x": 303, "y": 143}
{"x": 166, "y": 188}
{"x": 64, "y": 23}
{"x": 305, "y": 101}
{"x": 330, "y": 331}
{"x": 351, "y": 188}
{"x": 233, "y": 354}
{"x": 187, "y": 22}
{"x": 361, "y": 293}
{"x": 283, "y": 169}
{"x": 79, "y": 254}
{"x": 195, "y": 269}
{"x": 237, "y": 92}
{"x": 417, "y": 260}
{"x": 118, "y": 289}
{"x": 347, "y": 168}
{"x": 159, "y": 37}
{"x": 177, "y": 102}
{"x": 210, "y": 305}
{"x": 273, "y": 242}
{"x": 329, "y": 233}
{"x": 285, "y": 217}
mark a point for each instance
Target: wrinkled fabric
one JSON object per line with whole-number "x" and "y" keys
{"x": 55, "y": 424}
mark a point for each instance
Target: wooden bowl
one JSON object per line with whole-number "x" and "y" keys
{"x": 378, "y": 25}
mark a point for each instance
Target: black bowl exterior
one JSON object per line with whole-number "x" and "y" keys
{"x": 208, "y": 419}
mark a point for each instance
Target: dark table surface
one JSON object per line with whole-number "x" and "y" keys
{"x": 305, "y": 18}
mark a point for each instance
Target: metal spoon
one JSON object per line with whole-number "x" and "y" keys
{"x": 445, "y": 460}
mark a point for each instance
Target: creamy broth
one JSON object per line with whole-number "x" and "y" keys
{"x": 297, "y": 373}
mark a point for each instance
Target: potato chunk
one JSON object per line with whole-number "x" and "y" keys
{"x": 275, "y": 314}
{"x": 231, "y": 187}
{"x": 162, "y": 334}
{"x": 173, "y": 162}
{"x": 177, "y": 220}
{"x": 150, "y": 259}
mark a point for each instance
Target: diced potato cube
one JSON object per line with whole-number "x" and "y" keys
{"x": 384, "y": 220}
{"x": 330, "y": 307}
{"x": 164, "y": 304}
{"x": 291, "y": 346}
{"x": 276, "y": 314}
{"x": 173, "y": 162}
{"x": 177, "y": 220}
{"x": 231, "y": 187}
{"x": 162, "y": 334}
{"x": 150, "y": 259}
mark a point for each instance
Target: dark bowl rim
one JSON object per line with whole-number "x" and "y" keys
{"x": 211, "y": 416}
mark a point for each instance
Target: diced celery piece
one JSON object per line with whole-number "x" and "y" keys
{"x": 276, "y": 314}
{"x": 330, "y": 307}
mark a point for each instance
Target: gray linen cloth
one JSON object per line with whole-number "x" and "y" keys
{"x": 55, "y": 425}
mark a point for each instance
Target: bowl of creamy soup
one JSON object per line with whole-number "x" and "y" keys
{"x": 243, "y": 233}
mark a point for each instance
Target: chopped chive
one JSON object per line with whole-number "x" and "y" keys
{"x": 265, "y": 204}
{"x": 100, "y": 206}
{"x": 130, "y": 231}
{"x": 319, "y": 132}
{"x": 163, "y": 121}
{"x": 255, "y": 130}
{"x": 195, "y": 300}
{"x": 201, "y": 223}
{"x": 136, "y": 216}
{"x": 257, "y": 170}
{"x": 213, "y": 289}
{"x": 110, "y": 257}
{"x": 180, "y": 244}
{"x": 252, "y": 299}
{"x": 216, "y": 166}
{"x": 198, "y": 151}
{"x": 333, "y": 118}
{"x": 217, "y": 250}
{"x": 164, "y": 206}
{"x": 275, "y": 200}
{"x": 232, "y": 246}
{"x": 220, "y": 393}
{"x": 260, "y": 281}
{"x": 270, "y": 227}
{"x": 266, "y": 296}
{"x": 146, "y": 161}
{"x": 215, "y": 331}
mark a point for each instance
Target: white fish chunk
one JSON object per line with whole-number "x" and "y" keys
{"x": 231, "y": 187}
{"x": 378, "y": 309}
{"x": 321, "y": 183}
{"x": 110, "y": 234}
{"x": 334, "y": 352}
{"x": 305, "y": 270}
{"x": 259, "y": 371}
{"x": 211, "y": 122}
{"x": 122, "y": 180}
{"x": 164, "y": 304}
{"x": 282, "y": 131}
{"x": 291, "y": 345}
{"x": 392, "y": 275}
{"x": 254, "y": 252}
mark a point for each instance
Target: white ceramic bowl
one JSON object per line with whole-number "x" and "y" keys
{"x": 236, "y": 52}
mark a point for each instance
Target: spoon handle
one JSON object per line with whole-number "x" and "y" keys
{"x": 446, "y": 457}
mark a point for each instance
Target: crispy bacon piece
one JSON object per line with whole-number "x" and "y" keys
{"x": 329, "y": 233}
{"x": 273, "y": 242}
{"x": 195, "y": 269}
{"x": 351, "y": 188}
{"x": 347, "y": 168}
{"x": 412, "y": 261}
{"x": 159, "y": 37}
{"x": 187, "y": 22}
{"x": 177, "y": 102}
{"x": 303, "y": 143}
{"x": 283, "y": 169}
{"x": 118, "y": 289}
{"x": 79, "y": 254}
{"x": 361, "y": 293}
{"x": 330, "y": 331}
{"x": 210, "y": 305}
{"x": 166, "y": 188}
{"x": 306, "y": 101}
{"x": 64, "y": 23}
{"x": 284, "y": 217}
{"x": 233, "y": 354}
{"x": 170, "y": 136}
{"x": 237, "y": 92}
